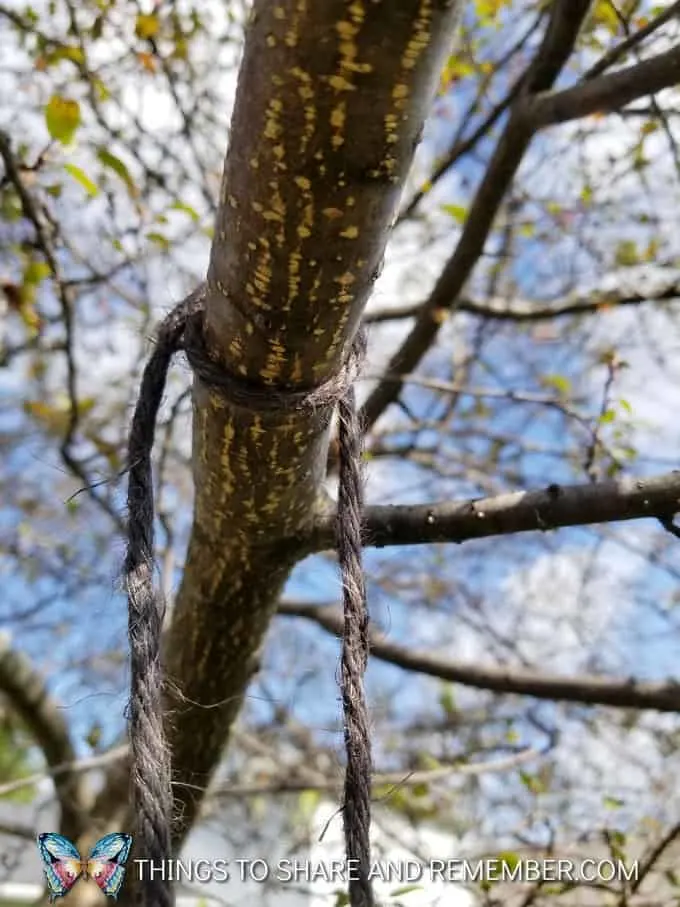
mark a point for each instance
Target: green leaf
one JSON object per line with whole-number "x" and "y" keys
{"x": 625, "y": 452}
{"x": 10, "y": 204}
{"x": 66, "y": 52}
{"x": 607, "y": 416}
{"x": 81, "y": 177}
{"x": 626, "y": 253}
{"x": 15, "y": 760}
{"x": 510, "y": 858}
{"x": 640, "y": 160}
{"x": 187, "y": 209}
{"x": 617, "y": 843}
{"x": 561, "y": 383}
{"x": 457, "y": 212}
{"x": 612, "y": 802}
{"x": 533, "y": 783}
{"x": 114, "y": 163}
{"x": 652, "y": 250}
{"x": 93, "y": 738}
{"x": 36, "y": 271}
{"x": 672, "y": 878}
{"x": 159, "y": 239}
{"x": 428, "y": 762}
{"x": 447, "y": 700}
{"x": 103, "y": 93}
{"x": 405, "y": 889}
{"x": 308, "y": 802}
{"x": 62, "y": 117}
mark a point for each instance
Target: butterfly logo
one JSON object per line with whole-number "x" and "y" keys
{"x": 63, "y": 864}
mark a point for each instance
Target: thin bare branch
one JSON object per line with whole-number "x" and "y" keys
{"x": 528, "y": 310}
{"x": 589, "y": 690}
{"x": 402, "y": 779}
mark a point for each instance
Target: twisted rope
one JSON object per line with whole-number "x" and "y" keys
{"x": 152, "y": 798}
{"x": 151, "y": 767}
{"x": 357, "y": 807}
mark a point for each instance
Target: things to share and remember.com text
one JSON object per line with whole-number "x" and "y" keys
{"x": 343, "y": 871}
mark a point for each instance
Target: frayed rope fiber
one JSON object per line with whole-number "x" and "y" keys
{"x": 152, "y": 798}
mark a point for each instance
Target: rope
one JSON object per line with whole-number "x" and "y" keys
{"x": 357, "y": 811}
{"x": 151, "y": 773}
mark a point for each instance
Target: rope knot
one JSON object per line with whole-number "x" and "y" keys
{"x": 246, "y": 394}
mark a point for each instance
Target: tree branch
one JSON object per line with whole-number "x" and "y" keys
{"x": 520, "y": 511}
{"x": 589, "y": 690}
{"x": 527, "y": 310}
{"x": 26, "y": 692}
{"x": 604, "y": 94}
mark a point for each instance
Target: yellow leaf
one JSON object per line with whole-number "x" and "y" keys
{"x": 605, "y": 14}
{"x": 488, "y": 9}
{"x": 147, "y": 26}
{"x": 63, "y": 118}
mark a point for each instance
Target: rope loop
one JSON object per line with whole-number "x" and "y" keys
{"x": 182, "y": 329}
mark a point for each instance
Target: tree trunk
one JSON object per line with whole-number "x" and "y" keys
{"x": 330, "y": 106}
